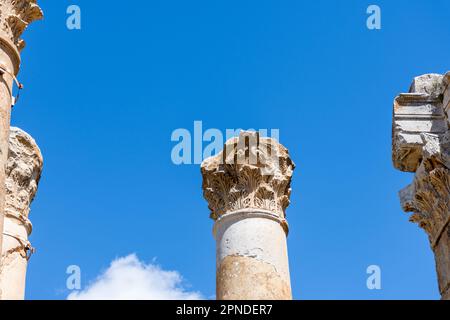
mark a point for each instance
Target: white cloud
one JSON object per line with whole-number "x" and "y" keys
{"x": 130, "y": 279}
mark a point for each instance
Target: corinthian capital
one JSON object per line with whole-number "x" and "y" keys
{"x": 23, "y": 171}
{"x": 250, "y": 173}
{"x": 15, "y": 16}
{"x": 428, "y": 197}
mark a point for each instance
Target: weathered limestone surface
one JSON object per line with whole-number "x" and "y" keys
{"x": 262, "y": 283}
{"x": 421, "y": 144}
{"x": 15, "y": 16}
{"x": 23, "y": 172}
{"x": 247, "y": 187}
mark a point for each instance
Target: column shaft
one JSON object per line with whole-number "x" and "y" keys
{"x": 15, "y": 253}
{"x": 252, "y": 258}
{"x": 9, "y": 60}
{"x": 442, "y": 257}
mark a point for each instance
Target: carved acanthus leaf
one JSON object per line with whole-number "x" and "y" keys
{"x": 15, "y": 16}
{"x": 251, "y": 172}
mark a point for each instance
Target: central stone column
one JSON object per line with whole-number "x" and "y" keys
{"x": 15, "y": 16}
{"x": 247, "y": 187}
{"x": 421, "y": 144}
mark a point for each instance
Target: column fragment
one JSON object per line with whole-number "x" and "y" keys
{"x": 421, "y": 144}
{"x": 23, "y": 172}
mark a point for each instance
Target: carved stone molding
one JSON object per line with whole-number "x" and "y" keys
{"x": 251, "y": 172}
{"x": 15, "y": 16}
{"x": 415, "y": 113}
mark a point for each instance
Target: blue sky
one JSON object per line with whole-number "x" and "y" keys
{"x": 103, "y": 101}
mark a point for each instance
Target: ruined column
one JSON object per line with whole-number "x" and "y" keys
{"x": 247, "y": 187}
{"x": 23, "y": 171}
{"x": 421, "y": 144}
{"x": 15, "y": 16}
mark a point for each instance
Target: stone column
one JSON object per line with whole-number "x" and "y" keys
{"x": 23, "y": 172}
{"x": 15, "y": 16}
{"x": 421, "y": 144}
{"x": 247, "y": 187}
